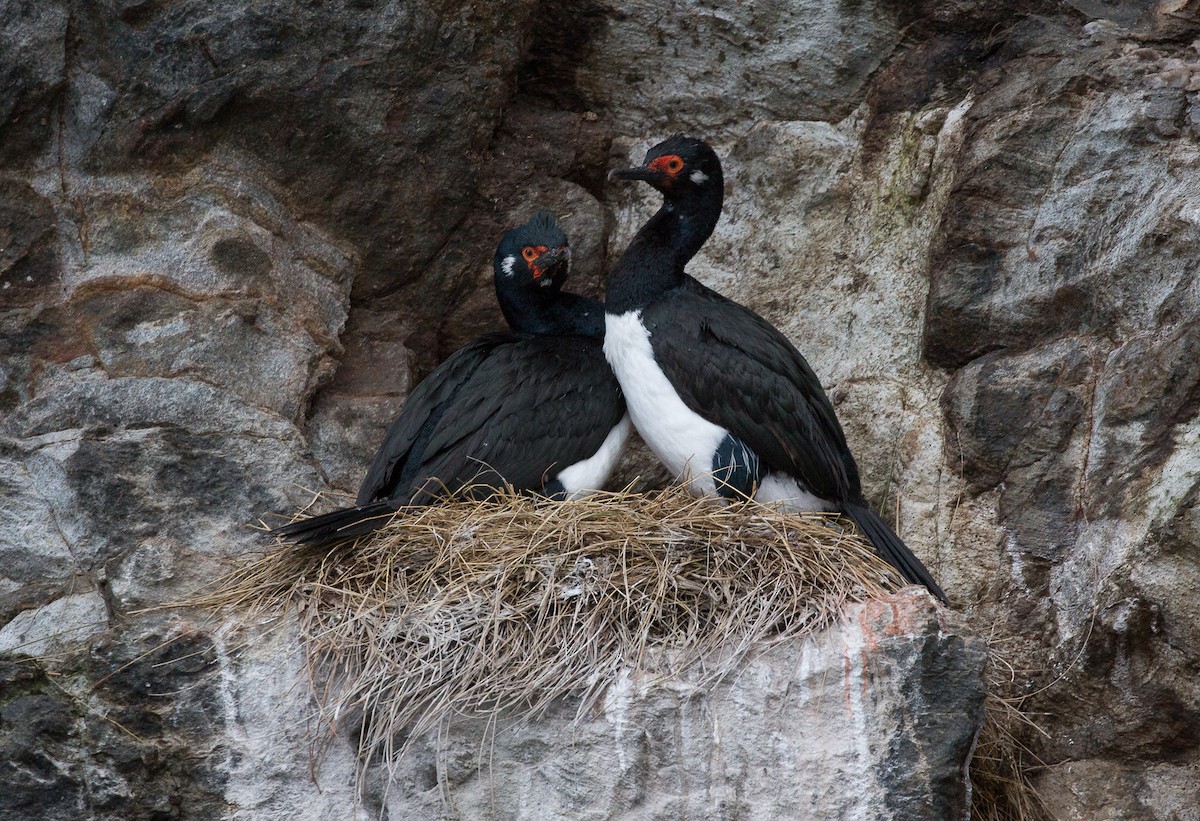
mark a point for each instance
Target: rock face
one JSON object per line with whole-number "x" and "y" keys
{"x": 870, "y": 720}
{"x": 233, "y": 236}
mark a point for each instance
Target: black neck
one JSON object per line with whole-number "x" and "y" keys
{"x": 552, "y": 313}
{"x": 655, "y": 260}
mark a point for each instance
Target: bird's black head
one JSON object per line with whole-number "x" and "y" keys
{"x": 533, "y": 256}
{"x": 679, "y": 167}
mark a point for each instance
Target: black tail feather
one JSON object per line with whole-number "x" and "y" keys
{"x": 337, "y": 525}
{"x": 894, "y": 551}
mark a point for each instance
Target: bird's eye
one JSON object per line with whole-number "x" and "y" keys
{"x": 670, "y": 164}
{"x": 529, "y": 253}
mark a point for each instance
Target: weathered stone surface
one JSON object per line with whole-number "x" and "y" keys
{"x": 1073, "y": 218}
{"x": 111, "y": 464}
{"x": 33, "y": 39}
{"x": 45, "y": 631}
{"x": 126, "y": 732}
{"x": 805, "y": 730}
{"x": 655, "y": 68}
{"x": 233, "y": 236}
{"x": 780, "y": 737}
{"x": 1104, "y": 791}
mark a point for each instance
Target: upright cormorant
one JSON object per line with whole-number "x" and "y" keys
{"x": 720, "y": 395}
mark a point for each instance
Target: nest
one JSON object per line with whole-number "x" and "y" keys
{"x": 472, "y": 608}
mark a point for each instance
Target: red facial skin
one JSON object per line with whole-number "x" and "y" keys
{"x": 531, "y": 253}
{"x": 670, "y": 165}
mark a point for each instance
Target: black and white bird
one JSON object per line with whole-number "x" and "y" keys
{"x": 723, "y": 399}
{"x": 536, "y": 408}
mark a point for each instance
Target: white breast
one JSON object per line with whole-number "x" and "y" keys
{"x": 586, "y": 477}
{"x": 681, "y": 439}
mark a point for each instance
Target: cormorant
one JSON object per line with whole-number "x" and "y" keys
{"x": 723, "y": 398}
{"x": 536, "y": 408}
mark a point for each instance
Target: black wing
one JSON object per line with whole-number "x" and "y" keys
{"x": 398, "y": 458}
{"x": 735, "y": 369}
{"x": 519, "y": 411}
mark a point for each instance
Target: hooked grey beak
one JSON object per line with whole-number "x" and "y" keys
{"x": 550, "y": 260}
{"x": 641, "y": 172}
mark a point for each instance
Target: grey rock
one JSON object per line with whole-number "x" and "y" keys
{"x": 793, "y": 60}
{"x": 806, "y": 729}
{"x": 1080, "y": 183}
{"x": 779, "y": 736}
{"x": 109, "y": 466}
{"x": 233, "y": 236}
{"x": 123, "y": 733}
{"x": 1107, "y": 791}
{"x": 46, "y": 630}
{"x": 32, "y": 73}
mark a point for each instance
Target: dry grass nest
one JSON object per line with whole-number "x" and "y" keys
{"x": 479, "y": 607}
{"x": 472, "y": 608}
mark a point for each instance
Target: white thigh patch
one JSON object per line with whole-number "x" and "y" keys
{"x": 589, "y": 475}
{"x": 786, "y": 494}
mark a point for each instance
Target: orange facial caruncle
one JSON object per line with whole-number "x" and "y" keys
{"x": 670, "y": 164}
{"x": 530, "y": 253}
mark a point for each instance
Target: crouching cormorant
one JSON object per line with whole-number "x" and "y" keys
{"x": 536, "y": 408}
{"x": 723, "y": 399}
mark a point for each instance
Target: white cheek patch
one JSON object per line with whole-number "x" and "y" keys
{"x": 699, "y": 177}
{"x": 507, "y": 265}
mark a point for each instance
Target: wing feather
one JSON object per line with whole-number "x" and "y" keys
{"x": 525, "y": 408}
{"x": 399, "y": 456}
{"x": 735, "y": 369}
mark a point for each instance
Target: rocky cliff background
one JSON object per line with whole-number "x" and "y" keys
{"x": 233, "y": 235}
